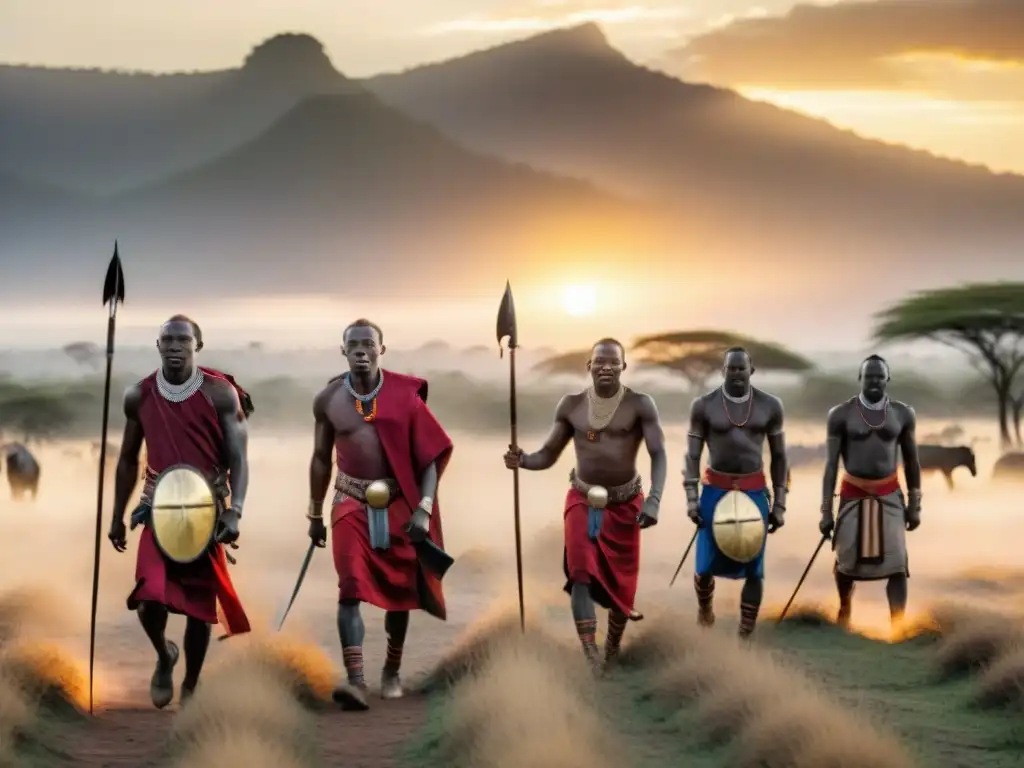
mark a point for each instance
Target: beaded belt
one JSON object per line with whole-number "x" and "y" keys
{"x": 377, "y": 518}
{"x": 618, "y": 494}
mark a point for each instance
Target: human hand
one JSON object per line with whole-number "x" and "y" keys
{"x": 513, "y": 458}
{"x": 227, "y": 526}
{"x": 776, "y": 518}
{"x": 912, "y": 513}
{"x": 118, "y": 534}
{"x": 693, "y": 512}
{"x": 318, "y": 531}
{"x": 826, "y": 525}
{"x": 418, "y": 528}
{"x": 648, "y": 517}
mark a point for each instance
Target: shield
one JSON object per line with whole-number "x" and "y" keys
{"x": 738, "y": 529}
{"x": 184, "y": 513}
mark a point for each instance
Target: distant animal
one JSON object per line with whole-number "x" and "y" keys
{"x": 946, "y": 458}
{"x": 1010, "y": 466}
{"x": 22, "y": 471}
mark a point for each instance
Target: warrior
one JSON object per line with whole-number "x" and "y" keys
{"x": 734, "y": 508}
{"x": 194, "y": 424}
{"x": 391, "y": 454}
{"x": 605, "y": 507}
{"x": 869, "y": 531}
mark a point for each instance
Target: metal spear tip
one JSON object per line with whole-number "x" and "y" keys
{"x": 113, "y": 283}
{"x": 506, "y": 326}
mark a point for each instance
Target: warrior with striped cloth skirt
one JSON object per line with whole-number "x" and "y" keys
{"x": 734, "y": 510}
{"x": 605, "y": 508}
{"x": 869, "y": 530}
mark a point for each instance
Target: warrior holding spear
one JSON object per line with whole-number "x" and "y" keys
{"x": 193, "y": 422}
{"x": 734, "y": 509}
{"x": 605, "y": 506}
{"x": 385, "y": 521}
{"x": 869, "y": 532}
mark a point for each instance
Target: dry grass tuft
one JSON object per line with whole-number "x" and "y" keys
{"x": 238, "y": 745}
{"x": 303, "y": 668}
{"x": 974, "y": 640}
{"x": 17, "y": 719}
{"x": 253, "y": 698}
{"x": 1002, "y": 684}
{"x": 659, "y": 638}
{"x": 808, "y": 614}
{"x": 524, "y": 707}
{"x": 46, "y": 676}
{"x": 808, "y": 731}
{"x": 472, "y": 651}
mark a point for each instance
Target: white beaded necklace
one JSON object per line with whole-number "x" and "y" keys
{"x": 179, "y": 393}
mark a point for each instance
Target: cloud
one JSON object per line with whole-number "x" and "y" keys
{"x": 543, "y": 15}
{"x": 970, "y": 49}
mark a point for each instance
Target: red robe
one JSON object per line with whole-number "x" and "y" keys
{"x": 610, "y": 565}
{"x": 412, "y": 439}
{"x": 185, "y": 433}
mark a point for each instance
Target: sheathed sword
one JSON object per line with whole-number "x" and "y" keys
{"x": 298, "y": 583}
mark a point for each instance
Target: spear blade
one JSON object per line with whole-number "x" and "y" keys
{"x": 507, "y": 319}
{"x": 113, "y": 283}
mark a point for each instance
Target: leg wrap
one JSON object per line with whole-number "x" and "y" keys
{"x": 353, "y": 657}
{"x": 587, "y": 630}
{"x": 616, "y": 626}
{"x": 393, "y": 660}
{"x": 748, "y": 618}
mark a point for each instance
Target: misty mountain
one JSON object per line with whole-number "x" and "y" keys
{"x": 104, "y": 131}
{"x": 739, "y": 170}
{"x": 347, "y": 195}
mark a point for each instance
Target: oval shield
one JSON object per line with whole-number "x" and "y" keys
{"x": 738, "y": 529}
{"x": 184, "y": 513}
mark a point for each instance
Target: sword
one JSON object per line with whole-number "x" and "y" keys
{"x": 298, "y": 582}
{"x": 800, "y": 583}
{"x": 686, "y": 554}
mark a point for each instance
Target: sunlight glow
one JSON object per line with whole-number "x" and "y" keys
{"x": 579, "y": 300}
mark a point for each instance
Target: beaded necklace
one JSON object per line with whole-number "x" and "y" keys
{"x": 362, "y": 400}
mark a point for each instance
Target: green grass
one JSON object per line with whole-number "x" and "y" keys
{"x": 895, "y": 686}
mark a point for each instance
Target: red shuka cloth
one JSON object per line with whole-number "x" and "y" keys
{"x": 412, "y": 439}
{"x": 610, "y": 565}
{"x": 860, "y": 488}
{"x": 752, "y": 482}
{"x": 185, "y": 433}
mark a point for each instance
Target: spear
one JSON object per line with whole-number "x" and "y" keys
{"x": 113, "y": 293}
{"x": 507, "y": 328}
{"x": 810, "y": 564}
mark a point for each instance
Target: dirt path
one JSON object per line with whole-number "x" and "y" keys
{"x": 135, "y": 737}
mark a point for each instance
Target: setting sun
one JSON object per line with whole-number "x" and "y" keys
{"x": 579, "y": 300}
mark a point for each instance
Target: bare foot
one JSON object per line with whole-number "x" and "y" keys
{"x": 391, "y": 686}
{"x": 161, "y": 686}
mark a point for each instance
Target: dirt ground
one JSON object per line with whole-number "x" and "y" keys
{"x": 123, "y": 737}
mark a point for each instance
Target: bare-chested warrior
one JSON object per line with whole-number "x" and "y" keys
{"x": 733, "y": 421}
{"x": 388, "y": 443}
{"x": 605, "y": 506}
{"x": 869, "y": 531}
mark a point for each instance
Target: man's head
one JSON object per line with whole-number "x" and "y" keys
{"x": 873, "y": 378}
{"x": 736, "y": 370}
{"x": 179, "y": 340}
{"x": 606, "y": 364}
{"x": 362, "y": 345}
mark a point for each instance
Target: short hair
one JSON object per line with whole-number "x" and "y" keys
{"x": 738, "y": 351}
{"x": 196, "y": 330}
{"x": 609, "y": 342}
{"x": 362, "y": 322}
{"x": 876, "y": 359}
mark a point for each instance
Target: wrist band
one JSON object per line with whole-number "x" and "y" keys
{"x": 315, "y": 511}
{"x": 426, "y": 504}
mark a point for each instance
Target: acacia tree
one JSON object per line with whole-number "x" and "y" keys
{"x": 695, "y": 355}
{"x": 984, "y": 321}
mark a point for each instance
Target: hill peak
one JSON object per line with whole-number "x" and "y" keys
{"x": 289, "y": 55}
